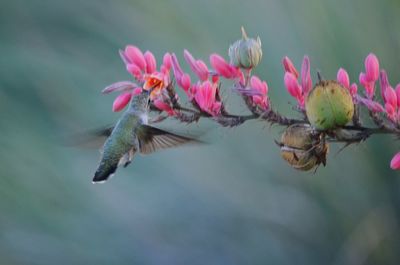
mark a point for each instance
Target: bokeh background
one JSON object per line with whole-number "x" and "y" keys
{"x": 232, "y": 201}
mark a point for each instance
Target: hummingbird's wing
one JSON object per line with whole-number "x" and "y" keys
{"x": 152, "y": 139}
{"x": 89, "y": 139}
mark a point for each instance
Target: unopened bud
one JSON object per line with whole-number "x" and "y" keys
{"x": 245, "y": 53}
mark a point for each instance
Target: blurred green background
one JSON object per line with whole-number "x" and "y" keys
{"x": 233, "y": 201}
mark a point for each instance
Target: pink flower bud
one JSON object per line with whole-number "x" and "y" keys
{"x": 391, "y": 97}
{"x": 262, "y": 88}
{"x": 135, "y": 56}
{"x": 176, "y": 68}
{"x": 124, "y": 58}
{"x": 137, "y": 91}
{"x": 134, "y": 70}
{"x": 353, "y": 89}
{"x": 151, "y": 64}
{"x": 198, "y": 67}
{"x": 395, "y": 163}
{"x": 161, "y": 105}
{"x": 258, "y": 85}
{"x": 121, "y": 101}
{"x": 384, "y": 83}
{"x": 202, "y": 70}
{"x": 371, "y": 68}
{"x": 343, "y": 78}
{"x": 306, "y": 81}
{"x": 167, "y": 61}
{"x": 390, "y": 111}
{"x": 222, "y": 67}
{"x": 122, "y": 86}
{"x": 185, "y": 82}
{"x": 369, "y": 86}
{"x": 289, "y": 67}
{"x": 292, "y": 86}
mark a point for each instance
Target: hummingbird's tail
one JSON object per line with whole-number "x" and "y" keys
{"x": 104, "y": 171}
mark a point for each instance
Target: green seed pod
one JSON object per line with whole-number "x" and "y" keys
{"x": 245, "y": 53}
{"x": 329, "y": 105}
{"x": 302, "y": 147}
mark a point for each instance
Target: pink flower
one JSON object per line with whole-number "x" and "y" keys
{"x": 206, "y": 98}
{"x": 143, "y": 67}
{"x": 121, "y": 101}
{"x": 289, "y": 67}
{"x": 223, "y": 68}
{"x": 164, "y": 106}
{"x": 182, "y": 78}
{"x": 371, "y": 75}
{"x": 296, "y": 90}
{"x": 135, "y": 56}
{"x": 371, "y": 68}
{"x": 306, "y": 81}
{"x": 395, "y": 163}
{"x": 389, "y": 96}
{"x": 262, "y": 88}
{"x": 197, "y": 66}
{"x": 343, "y": 79}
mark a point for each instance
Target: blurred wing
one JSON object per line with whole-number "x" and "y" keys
{"x": 152, "y": 139}
{"x": 89, "y": 139}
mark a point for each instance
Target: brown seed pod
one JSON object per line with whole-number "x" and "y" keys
{"x": 302, "y": 147}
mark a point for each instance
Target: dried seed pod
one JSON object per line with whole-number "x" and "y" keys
{"x": 302, "y": 147}
{"x": 329, "y": 105}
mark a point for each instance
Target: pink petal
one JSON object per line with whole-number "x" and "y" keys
{"x": 137, "y": 91}
{"x": 185, "y": 82}
{"x": 292, "y": 86}
{"x": 178, "y": 73}
{"x": 122, "y": 86}
{"x": 135, "y": 55}
{"x": 398, "y": 95}
{"x": 369, "y": 86}
{"x": 371, "y": 68}
{"x": 289, "y": 67}
{"x": 121, "y": 101}
{"x": 384, "y": 83}
{"x": 343, "y": 78}
{"x": 202, "y": 70}
{"x": 151, "y": 64}
{"x": 395, "y": 163}
{"x": 161, "y": 105}
{"x": 258, "y": 85}
{"x": 134, "y": 70}
{"x": 124, "y": 58}
{"x": 390, "y": 111}
{"x": 353, "y": 89}
{"x": 391, "y": 97}
{"x": 167, "y": 61}
{"x": 222, "y": 67}
{"x": 306, "y": 81}
{"x": 198, "y": 67}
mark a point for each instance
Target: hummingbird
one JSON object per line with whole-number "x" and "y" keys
{"x": 131, "y": 135}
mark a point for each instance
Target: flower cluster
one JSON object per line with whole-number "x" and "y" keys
{"x": 203, "y": 84}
